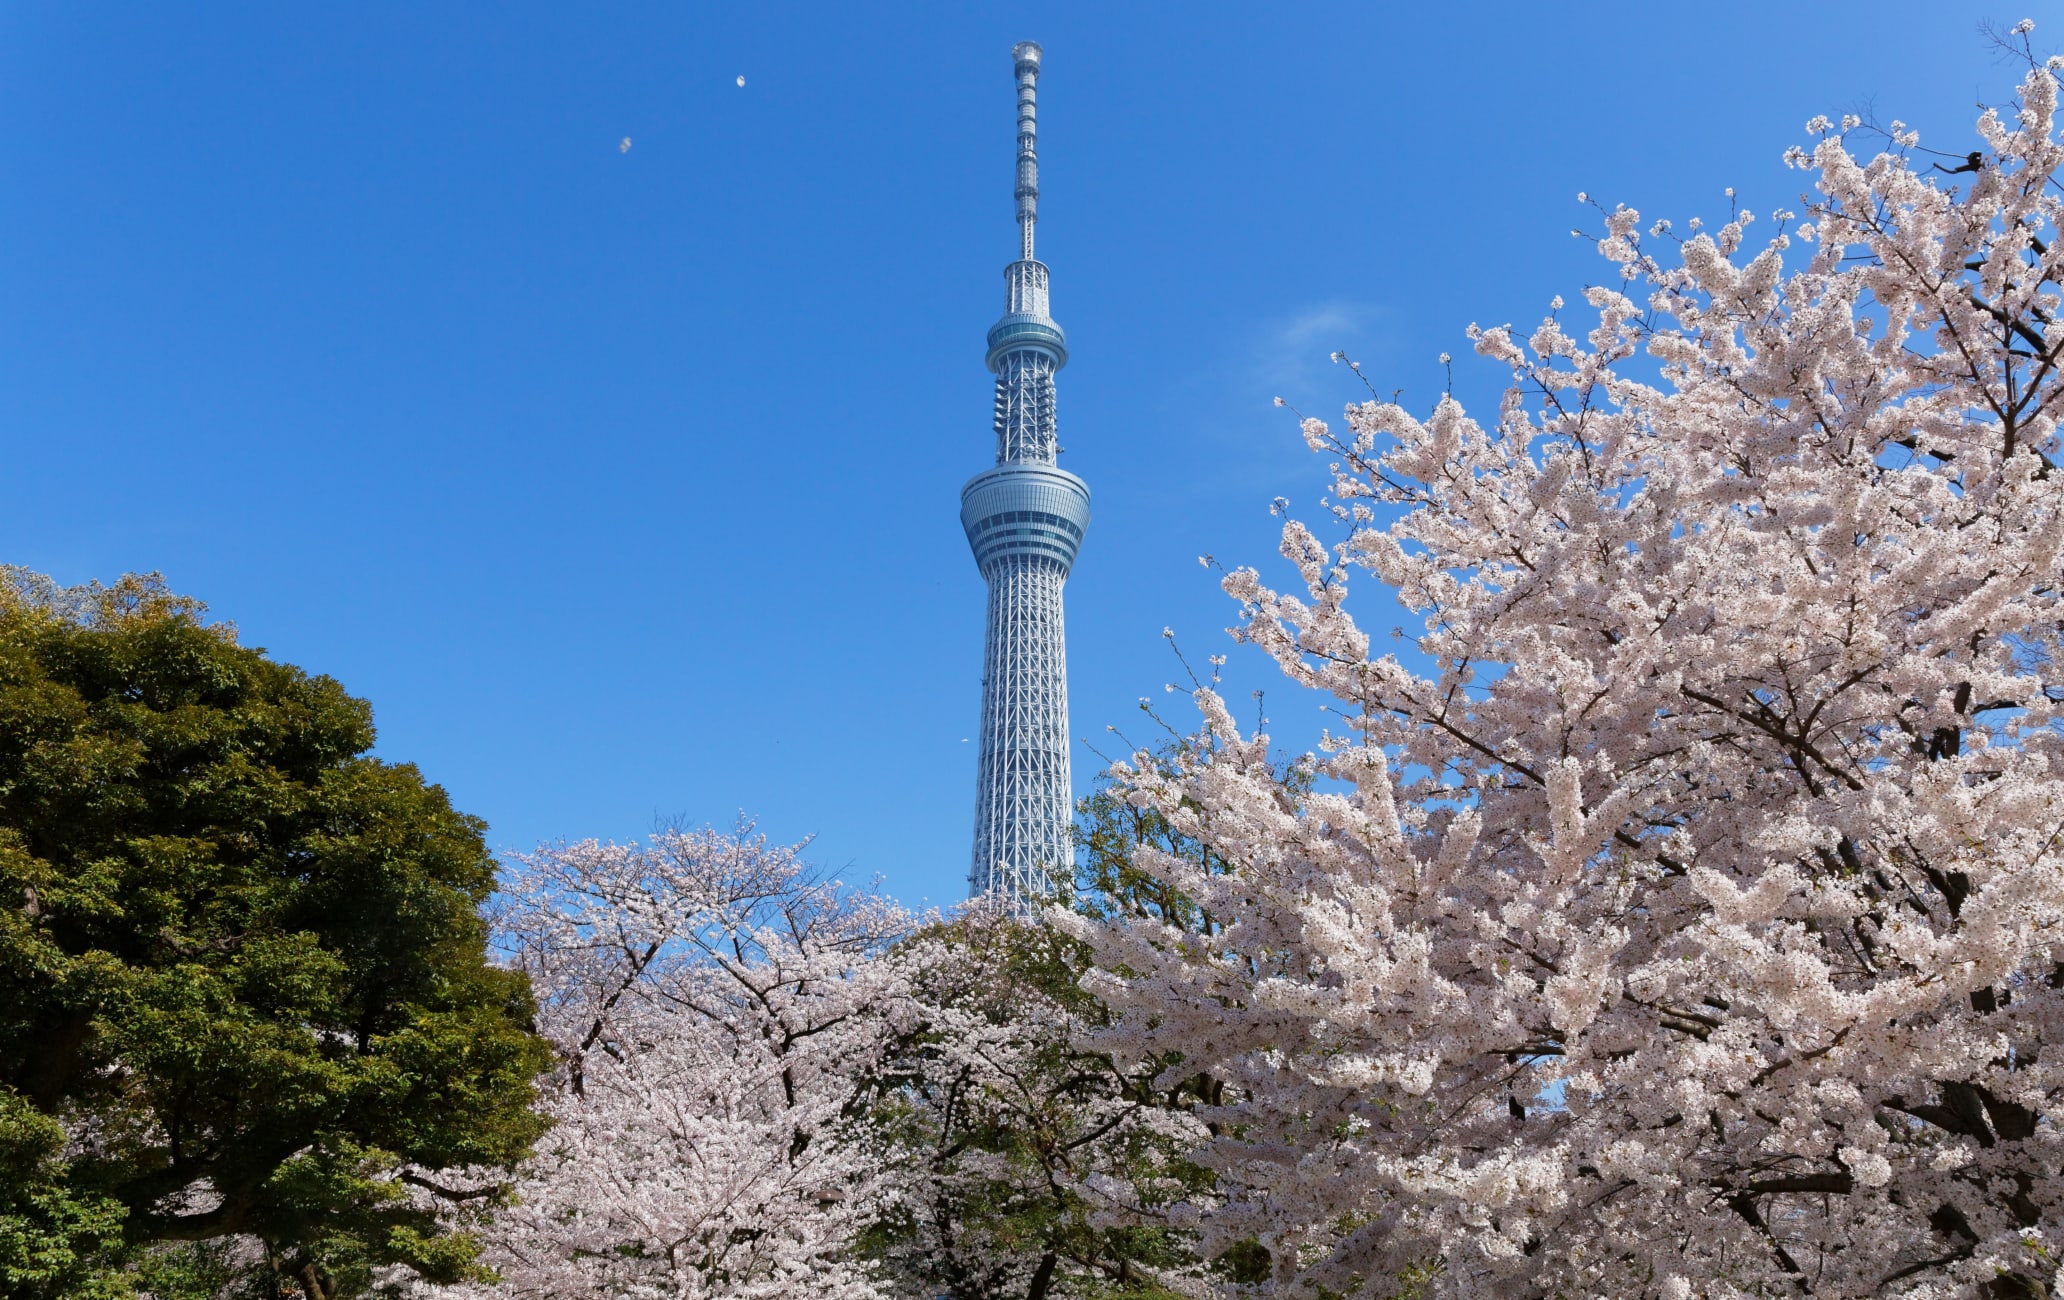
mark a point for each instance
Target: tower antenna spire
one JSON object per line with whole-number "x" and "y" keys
{"x": 1025, "y": 59}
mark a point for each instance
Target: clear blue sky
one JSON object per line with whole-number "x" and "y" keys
{"x": 624, "y": 484}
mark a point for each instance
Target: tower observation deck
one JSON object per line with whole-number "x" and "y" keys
{"x": 1025, "y": 518}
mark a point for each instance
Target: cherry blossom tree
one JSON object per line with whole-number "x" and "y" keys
{"x": 717, "y": 1008}
{"x": 1685, "y": 918}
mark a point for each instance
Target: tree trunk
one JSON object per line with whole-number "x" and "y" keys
{"x": 1042, "y": 1277}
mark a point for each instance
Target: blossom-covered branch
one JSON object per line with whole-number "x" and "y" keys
{"x": 717, "y": 1007}
{"x": 1689, "y": 923}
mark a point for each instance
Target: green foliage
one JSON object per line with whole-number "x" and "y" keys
{"x": 242, "y": 961}
{"x": 54, "y": 1241}
{"x": 1109, "y": 831}
{"x": 999, "y": 1119}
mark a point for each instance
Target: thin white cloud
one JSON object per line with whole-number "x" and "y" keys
{"x": 1290, "y": 356}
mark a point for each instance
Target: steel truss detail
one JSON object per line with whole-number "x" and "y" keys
{"x": 1024, "y": 824}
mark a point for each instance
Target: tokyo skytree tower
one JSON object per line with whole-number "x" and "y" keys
{"x": 1025, "y": 519}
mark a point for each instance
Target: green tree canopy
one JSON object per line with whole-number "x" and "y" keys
{"x": 1011, "y": 1140}
{"x": 242, "y": 963}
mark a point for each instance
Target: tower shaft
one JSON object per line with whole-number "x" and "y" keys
{"x": 1025, "y": 519}
{"x": 1023, "y": 813}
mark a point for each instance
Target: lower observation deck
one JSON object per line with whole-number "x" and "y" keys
{"x": 1035, "y": 511}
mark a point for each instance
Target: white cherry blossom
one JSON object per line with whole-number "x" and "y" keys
{"x": 1686, "y": 918}
{"x": 718, "y": 1010}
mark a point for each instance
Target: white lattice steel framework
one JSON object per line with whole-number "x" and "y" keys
{"x": 1025, "y": 519}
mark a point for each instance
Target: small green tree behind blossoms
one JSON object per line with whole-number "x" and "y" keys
{"x": 1030, "y": 1167}
{"x": 246, "y": 1012}
{"x": 1012, "y": 1146}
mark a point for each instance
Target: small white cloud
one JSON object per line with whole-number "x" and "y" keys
{"x": 625, "y": 147}
{"x": 1285, "y": 352}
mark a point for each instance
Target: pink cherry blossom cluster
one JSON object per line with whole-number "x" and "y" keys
{"x": 1686, "y": 918}
{"x": 716, "y": 1008}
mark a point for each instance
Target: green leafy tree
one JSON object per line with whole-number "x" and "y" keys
{"x": 242, "y": 964}
{"x": 1031, "y": 1170}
